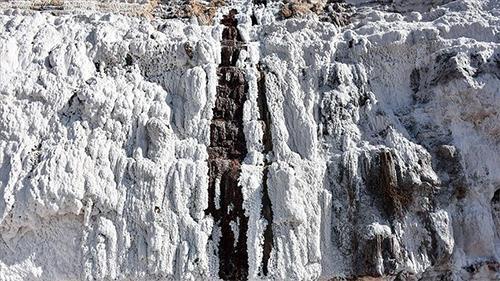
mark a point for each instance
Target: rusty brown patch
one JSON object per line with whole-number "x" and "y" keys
{"x": 204, "y": 12}
{"x": 337, "y": 12}
{"x": 386, "y": 185}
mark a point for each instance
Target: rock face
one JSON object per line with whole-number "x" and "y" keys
{"x": 226, "y": 152}
{"x": 250, "y": 140}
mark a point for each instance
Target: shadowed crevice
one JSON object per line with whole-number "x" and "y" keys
{"x": 267, "y": 211}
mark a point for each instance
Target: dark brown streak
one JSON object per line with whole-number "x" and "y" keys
{"x": 267, "y": 211}
{"x": 226, "y": 152}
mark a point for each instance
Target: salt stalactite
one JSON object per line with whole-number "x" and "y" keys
{"x": 226, "y": 152}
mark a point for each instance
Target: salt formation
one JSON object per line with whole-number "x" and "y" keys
{"x": 259, "y": 140}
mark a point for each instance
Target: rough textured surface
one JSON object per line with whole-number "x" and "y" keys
{"x": 296, "y": 140}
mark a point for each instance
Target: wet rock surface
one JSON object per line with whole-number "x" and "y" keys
{"x": 226, "y": 151}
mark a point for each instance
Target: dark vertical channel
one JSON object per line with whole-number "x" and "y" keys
{"x": 226, "y": 152}
{"x": 267, "y": 211}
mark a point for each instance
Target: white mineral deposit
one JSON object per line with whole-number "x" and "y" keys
{"x": 250, "y": 140}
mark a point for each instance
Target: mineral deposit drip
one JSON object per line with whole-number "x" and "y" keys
{"x": 226, "y": 151}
